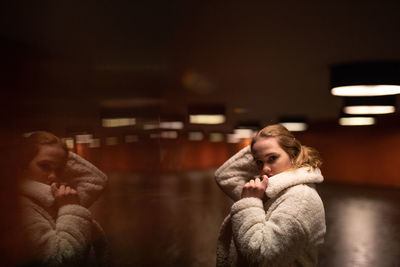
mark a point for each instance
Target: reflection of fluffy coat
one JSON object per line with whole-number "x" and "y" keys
{"x": 68, "y": 235}
{"x": 286, "y": 230}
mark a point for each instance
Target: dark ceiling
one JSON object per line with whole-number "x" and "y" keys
{"x": 267, "y": 58}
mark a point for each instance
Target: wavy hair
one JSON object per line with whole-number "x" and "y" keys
{"x": 300, "y": 155}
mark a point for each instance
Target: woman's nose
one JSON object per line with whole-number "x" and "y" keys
{"x": 53, "y": 176}
{"x": 266, "y": 169}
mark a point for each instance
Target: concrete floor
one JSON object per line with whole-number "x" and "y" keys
{"x": 173, "y": 219}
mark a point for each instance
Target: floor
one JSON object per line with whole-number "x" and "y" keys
{"x": 173, "y": 219}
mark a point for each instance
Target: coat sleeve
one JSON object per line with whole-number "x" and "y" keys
{"x": 86, "y": 178}
{"x": 59, "y": 242}
{"x": 235, "y": 172}
{"x": 279, "y": 239}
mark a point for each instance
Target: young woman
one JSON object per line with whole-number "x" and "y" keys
{"x": 56, "y": 189}
{"x": 278, "y": 218}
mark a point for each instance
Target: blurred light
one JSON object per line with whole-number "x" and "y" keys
{"x": 131, "y": 138}
{"x": 169, "y": 134}
{"x": 207, "y": 119}
{"x": 243, "y": 133}
{"x": 356, "y": 121}
{"x": 83, "y": 138}
{"x": 154, "y": 135}
{"x": 240, "y": 110}
{"x": 196, "y": 136}
{"x": 295, "y": 126}
{"x": 112, "y": 141}
{"x": 232, "y": 138}
{"x": 369, "y": 109}
{"x": 175, "y": 125}
{"x": 118, "y": 122}
{"x": 216, "y": 137}
{"x": 366, "y": 90}
{"x": 151, "y": 126}
{"x": 69, "y": 142}
{"x": 94, "y": 143}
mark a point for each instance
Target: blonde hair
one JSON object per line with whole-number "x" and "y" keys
{"x": 300, "y": 155}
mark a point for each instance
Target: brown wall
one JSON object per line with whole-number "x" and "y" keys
{"x": 350, "y": 155}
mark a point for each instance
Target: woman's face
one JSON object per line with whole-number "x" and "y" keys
{"x": 47, "y": 164}
{"x": 270, "y": 158}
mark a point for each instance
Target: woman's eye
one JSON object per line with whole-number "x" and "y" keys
{"x": 44, "y": 166}
{"x": 272, "y": 159}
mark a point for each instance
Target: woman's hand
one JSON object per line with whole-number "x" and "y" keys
{"x": 255, "y": 188}
{"x": 64, "y": 195}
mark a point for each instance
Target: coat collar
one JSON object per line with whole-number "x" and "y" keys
{"x": 39, "y": 192}
{"x": 283, "y": 180}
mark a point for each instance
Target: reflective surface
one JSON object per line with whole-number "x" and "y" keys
{"x": 173, "y": 219}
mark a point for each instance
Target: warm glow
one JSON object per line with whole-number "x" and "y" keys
{"x": 69, "y": 142}
{"x": 175, "y": 125}
{"x": 154, "y": 135}
{"x": 169, "y": 134}
{"x": 83, "y": 138}
{"x": 355, "y": 121}
{"x": 232, "y": 138}
{"x": 369, "y": 109}
{"x": 207, "y": 119}
{"x": 131, "y": 138}
{"x": 243, "y": 133}
{"x": 94, "y": 143}
{"x": 118, "y": 122}
{"x": 366, "y": 90}
{"x": 112, "y": 141}
{"x": 196, "y": 136}
{"x": 216, "y": 137}
{"x": 295, "y": 126}
{"x": 151, "y": 126}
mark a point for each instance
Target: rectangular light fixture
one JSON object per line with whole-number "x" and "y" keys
{"x": 173, "y": 125}
{"x": 169, "y": 134}
{"x": 243, "y": 133}
{"x": 356, "y": 121}
{"x": 196, "y": 136}
{"x": 295, "y": 126}
{"x": 216, "y": 137}
{"x": 207, "y": 119}
{"x": 368, "y": 109}
{"x": 118, "y": 122}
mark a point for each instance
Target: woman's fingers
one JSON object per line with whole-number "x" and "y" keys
{"x": 53, "y": 188}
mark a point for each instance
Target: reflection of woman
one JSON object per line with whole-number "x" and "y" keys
{"x": 277, "y": 219}
{"x": 57, "y": 187}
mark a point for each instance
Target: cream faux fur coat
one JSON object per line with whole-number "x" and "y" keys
{"x": 66, "y": 236}
{"x": 286, "y": 230}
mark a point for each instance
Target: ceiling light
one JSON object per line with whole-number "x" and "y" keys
{"x": 355, "y": 110}
{"x": 196, "y": 136}
{"x": 207, "y": 114}
{"x": 369, "y": 105}
{"x": 366, "y": 90}
{"x": 294, "y": 124}
{"x": 207, "y": 119}
{"x": 243, "y": 133}
{"x": 356, "y": 121}
{"x": 216, "y": 137}
{"x": 118, "y": 122}
{"x": 175, "y": 125}
{"x": 366, "y": 79}
{"x": 169, "y": 134}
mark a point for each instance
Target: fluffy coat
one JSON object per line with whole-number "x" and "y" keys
{"x": 66, "y": 236}
{"x": 286, "y": 230}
